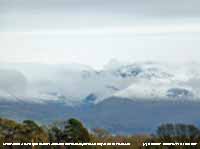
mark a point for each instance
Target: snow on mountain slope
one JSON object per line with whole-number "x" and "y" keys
{"x": 157, "y": 89}
{"x": 73, "y": 83}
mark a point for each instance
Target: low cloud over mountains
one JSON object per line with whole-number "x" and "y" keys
{"x": 73, "y": 83}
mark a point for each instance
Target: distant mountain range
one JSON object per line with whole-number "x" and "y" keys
{"x": 118, "y": 115}
{"x": 122, "y": 97}
{"x": 73, "y": 83}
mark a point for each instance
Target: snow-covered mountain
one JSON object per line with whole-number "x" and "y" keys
{"x": 75, "y": 83}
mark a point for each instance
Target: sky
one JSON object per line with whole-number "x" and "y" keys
{"x": 92, "y": 32}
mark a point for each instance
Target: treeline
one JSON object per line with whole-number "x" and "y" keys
{"x": 73, "y": 130}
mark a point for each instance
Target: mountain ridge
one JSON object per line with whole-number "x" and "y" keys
{"x": 73, "y": 83}
{"x": 117, "y": 115}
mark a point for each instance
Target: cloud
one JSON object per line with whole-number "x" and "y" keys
{"x": 54, "y": 14}
{"x": 12, "y": 83}
{"x": 153, "y": 7}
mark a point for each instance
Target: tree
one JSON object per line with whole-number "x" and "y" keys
{"x": 166, "y": 130}
{"x": 9, "y": 129}
{"x": 34, "y": 132}
{"x": 74, "y": 131}
{"x": 55, "y": 134}
{"x": 177, "y": 130}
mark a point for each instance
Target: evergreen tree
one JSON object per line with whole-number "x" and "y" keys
{"x": 74, "y": 131}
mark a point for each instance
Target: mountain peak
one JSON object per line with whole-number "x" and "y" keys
{"x": 77, "y": 82}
